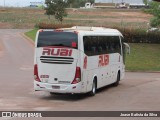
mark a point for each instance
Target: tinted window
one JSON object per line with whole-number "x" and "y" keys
{"x": 51, "y": 38}
{"x": 96, "y": 45}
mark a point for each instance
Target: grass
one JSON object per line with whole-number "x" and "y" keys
{"x": 31, "y": 34}
{"x": 28, "y": 17}
{"x": 143, "y": 57}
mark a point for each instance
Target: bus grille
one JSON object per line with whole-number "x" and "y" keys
{"x": 56, "y": 60}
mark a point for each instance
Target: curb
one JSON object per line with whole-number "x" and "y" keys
{"x": 27, "y": 38}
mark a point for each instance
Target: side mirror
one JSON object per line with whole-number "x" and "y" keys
{"x": 127, "y": 48}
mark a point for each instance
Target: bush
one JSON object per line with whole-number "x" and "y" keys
{"x": 53, "y": 26}
{"x": 131, "y": 35}
{"x": 155, "y": 22}
{"x": 140, "y": 36}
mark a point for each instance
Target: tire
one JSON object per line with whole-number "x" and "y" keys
{"x": 117, "y": 81}
{"x": 94, "y": 88}
{"x": 51, "y": 93}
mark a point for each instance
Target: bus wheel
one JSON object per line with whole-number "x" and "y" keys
{"x": 94, "y": 87}
{"x": 117, "y": 81}
{"x": 51, "y": 93}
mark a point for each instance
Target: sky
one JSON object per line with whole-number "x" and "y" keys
{"x": 18, "y": 3}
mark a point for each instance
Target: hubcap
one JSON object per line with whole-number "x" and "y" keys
{"x": 94, "y": 88}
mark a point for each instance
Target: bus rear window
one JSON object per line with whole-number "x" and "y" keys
{"x": 51, "y": 38}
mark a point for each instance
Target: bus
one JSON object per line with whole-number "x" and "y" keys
{"x": 78, "y": 59}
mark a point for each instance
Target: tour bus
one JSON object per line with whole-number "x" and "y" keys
{"x": 78, "y": 59}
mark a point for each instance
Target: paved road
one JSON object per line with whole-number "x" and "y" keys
{"x": 138, "y": 91}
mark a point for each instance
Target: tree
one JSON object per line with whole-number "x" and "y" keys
{"x": 70, "y": 2}
{"x": 56, "y": 8}
{"x": 155, "y": 10}
{"x": 145, "y": 2}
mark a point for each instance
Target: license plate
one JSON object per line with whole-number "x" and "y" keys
{"x": 55, "y": 87}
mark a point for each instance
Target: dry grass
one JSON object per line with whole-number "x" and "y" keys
{"x": 27, "y": 17}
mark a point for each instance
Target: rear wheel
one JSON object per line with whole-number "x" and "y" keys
{"x": 94, "y": 88}
{"x": 118, "y": 79}
{"x": 51, "y": 93}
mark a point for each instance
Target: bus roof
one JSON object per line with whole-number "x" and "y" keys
{"x": 85, "y": 29}
{"x": 93, "y": 29}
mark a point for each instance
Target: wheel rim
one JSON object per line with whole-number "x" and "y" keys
{"x": 94, "y": 88}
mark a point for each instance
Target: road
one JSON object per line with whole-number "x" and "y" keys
{"x": 137, "y": 92}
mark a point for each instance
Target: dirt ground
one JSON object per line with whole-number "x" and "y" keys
{"x": 5, "y": 25}
{"x": 28, "y": 18}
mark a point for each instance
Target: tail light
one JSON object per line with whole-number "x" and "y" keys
{"x": 76, "y": 32}
{"x": 77, "y": 77}
{"x": 41, "y": 30}
{"x": 36, "y": 77}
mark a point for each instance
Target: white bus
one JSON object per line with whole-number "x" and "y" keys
{"x": 78, "y": 59}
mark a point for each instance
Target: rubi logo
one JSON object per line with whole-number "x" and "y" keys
{"x": 85, "y": 63}
{"x": 103, "y": 60}
{"x": 57, "y": 52}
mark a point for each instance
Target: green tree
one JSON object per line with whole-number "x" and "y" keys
{"x": 145, "y": 2}
{"x": 56, "y": 8}
{"x": 70, "y": 3}
{"x": 155, "y": 10}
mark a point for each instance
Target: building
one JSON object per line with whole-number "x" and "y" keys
{"x": 36, "y": 4}
{"x": 120, "y": 4}
{"x": 120, "y": 1}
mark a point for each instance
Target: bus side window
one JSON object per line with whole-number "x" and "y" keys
{"x": 97, "y": 45}
{"x": 100, "y": 49}
{"x": 93, "y": 50}
{"x": 101, "y": 45}
{"x": 105, "y": 45}
{"x": 117, "y": 45}
{"x": 114, "y": 44}
{"x": 87, "y": 46}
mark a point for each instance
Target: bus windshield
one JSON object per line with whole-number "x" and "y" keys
{"x": 51, "y": 38}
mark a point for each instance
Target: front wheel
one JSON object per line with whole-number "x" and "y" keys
{"x": 94, "y": 87}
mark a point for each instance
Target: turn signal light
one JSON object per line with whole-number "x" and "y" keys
{"x": 77, "y": 77}
{"x": 36, "y": 77}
